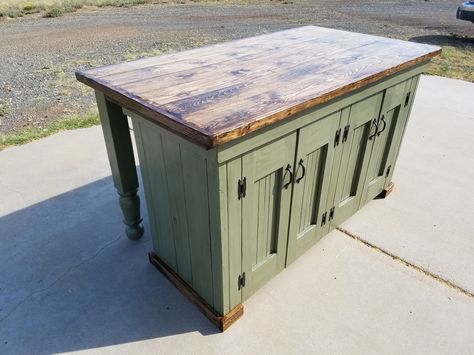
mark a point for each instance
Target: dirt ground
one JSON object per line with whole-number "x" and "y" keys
{"x": 38, "y": 55}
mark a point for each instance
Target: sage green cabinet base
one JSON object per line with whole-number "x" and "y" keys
{"x": 228, "y": 219}
{"x": 222, "y": 322}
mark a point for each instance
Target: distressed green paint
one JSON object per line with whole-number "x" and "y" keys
{"x": 234, "y": 228}
{"x": 219, "y": 241}
{"x": 391, "y": 122}
{"x": 152, "y": 164}
{"x": 265, "y": 211}
{"x": 398, "y": 138}
{"x": 355, "y": 157}
{"x": 315, "y": 159}
{"x": 122, "y": 163}
{"x": 197, "y": 215}
{"x": 211, "y": 237}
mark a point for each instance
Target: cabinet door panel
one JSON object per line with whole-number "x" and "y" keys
{"x": 311, "y": 188}
{"x": 265, "y": 211}
{"x": 355, "y": 157}
{"x": 391, "y": 124}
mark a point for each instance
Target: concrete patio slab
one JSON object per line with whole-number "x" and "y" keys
{"x": 71, "y": 281}
{"x": 429, "y": 218}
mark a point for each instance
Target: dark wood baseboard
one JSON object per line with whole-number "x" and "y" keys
{"x": 222, "y": 322}
{"x": 387, "y": 191}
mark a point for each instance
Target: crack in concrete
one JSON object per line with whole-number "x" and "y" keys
{"x": 61, "y": 277}
{"x": 407, "y": 263}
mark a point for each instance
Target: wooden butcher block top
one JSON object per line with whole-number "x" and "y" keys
{"x": 214, "y": 94}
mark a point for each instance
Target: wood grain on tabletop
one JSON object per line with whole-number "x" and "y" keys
{"x": 218, "y": 93}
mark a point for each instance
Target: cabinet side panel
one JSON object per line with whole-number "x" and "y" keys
{"x": 181, "y": 184}
{"x": 196, "y": 201}
{"x": 176, "y": 205}
{"x": 156, "y": 193}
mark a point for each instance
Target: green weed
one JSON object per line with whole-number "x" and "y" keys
{"x": 30, "y": 134}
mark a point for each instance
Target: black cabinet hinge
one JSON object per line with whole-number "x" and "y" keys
{"x": 337, "y": 138}
{"x": 323, "y": 218}
{"x": 241, "y": 280}
{"x": 346, "y": 133}
{"x": 407, "y": 99}
{"x": 388, "y": 171}
{"x": 241, "y": 188}
{"x": 331, "y": 213}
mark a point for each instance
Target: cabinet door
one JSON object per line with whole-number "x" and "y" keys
{"x": 391, "y": 123}
{"x": 356, "y": 149}
{"x": 314, "y": 161}
{"x": 265, "y": 211}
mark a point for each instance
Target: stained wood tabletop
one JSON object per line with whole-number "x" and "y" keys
{"x": 218, "y": 93}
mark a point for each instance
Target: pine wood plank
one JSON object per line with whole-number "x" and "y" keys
{"x": 216, "y": 94}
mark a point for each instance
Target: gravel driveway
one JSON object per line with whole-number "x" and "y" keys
{"x": 38, "y": 56}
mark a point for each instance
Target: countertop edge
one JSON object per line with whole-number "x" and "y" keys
{"x": 165, "y": 119}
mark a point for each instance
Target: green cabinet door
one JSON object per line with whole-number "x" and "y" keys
{"x": 355, "y": 149}
{"x": 314, "y": 161}
{"x": 268, "y": 172}
{"x": 390, "y": 127}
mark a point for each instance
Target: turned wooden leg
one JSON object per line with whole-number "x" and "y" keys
{"x": 122, "y": 162}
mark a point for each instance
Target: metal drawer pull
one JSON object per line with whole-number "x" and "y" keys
{"x": 384, "y": 125}
{"x": 374, "y": 122}
{"x": 288, "y": 168}
{"x": 301, "y": 163}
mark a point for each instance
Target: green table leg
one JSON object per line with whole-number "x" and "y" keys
{"x": 122, "y": 162}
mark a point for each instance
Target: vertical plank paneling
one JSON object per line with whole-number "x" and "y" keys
{"x": 177, "y": 207}
{"x": 197, "y": 211}
{"x": 356, "y": 152}
{"x": 267, "y": 204}
{"x": 265, "y": 221}
{"x": 271, "y": 218}
{"x": 144, "y": 167}
{"x": 154, "y": 178}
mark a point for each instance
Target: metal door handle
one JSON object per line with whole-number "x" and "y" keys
{"x": 301, "y": 163}
{"x": 288, "y": 168}
{"x": 384, "y": 125}
{"x": 374, "y": 122}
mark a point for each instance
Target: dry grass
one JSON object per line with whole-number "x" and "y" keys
{"x": 55, "y": 8}
{"x": 32, "y": 133}
{"x": 454, "y": 62}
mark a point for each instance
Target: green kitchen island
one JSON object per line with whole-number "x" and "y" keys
{"x": 252, "y": 150}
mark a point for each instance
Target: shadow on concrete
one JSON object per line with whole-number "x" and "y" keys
{"x": 71, "y": 280}
{"x": 446, "y": 40}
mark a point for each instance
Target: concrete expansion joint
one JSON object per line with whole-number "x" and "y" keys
{"x": 407, "y": 263}
{"x": 60, "y": 277}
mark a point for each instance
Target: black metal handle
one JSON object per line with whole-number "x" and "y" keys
{"x": 288, "y": 168}
{"x": 384, "y": 125}
{"x": 301, "y": 163}
{"x": 374, "y": 122}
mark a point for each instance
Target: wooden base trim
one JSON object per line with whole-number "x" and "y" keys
{"x": 387, "y": 191}
{"x": 222, "y": 322}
